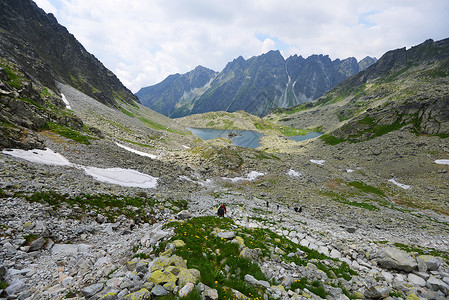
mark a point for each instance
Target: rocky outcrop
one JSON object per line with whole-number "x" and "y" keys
{"x": 48, "y": 53}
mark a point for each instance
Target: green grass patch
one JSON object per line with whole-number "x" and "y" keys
{"x": 30, "y": 238}
{"x": 331, "y": 140}
{"x": 3, "y": 284}
{"x": 128, "y": 113}
{"x": 343, "y": 199}
{"x": 157, "y": 126}
{"x": 111, "y": 206}
{"x": 15, "y": 80}
{"x": 68, "y": 133}
{"x": 366, "y": 188}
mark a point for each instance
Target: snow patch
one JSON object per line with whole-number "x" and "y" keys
{"x": 64, "y": 99}
{"x": 404, "y": 186}
{"x": 442, "y": 161}
{"x": 207, "y": 182}
{"x": 124, "y": 177}
{"x": 318, "y": 162}
{"x": 294, "y": 173}
{"x": 46, "y": 157}
{"x": 250, "y": 177}
{"x": 152, "y": 156}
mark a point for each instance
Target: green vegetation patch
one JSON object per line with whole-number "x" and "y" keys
{"x": 3, "y": 284}
{"x": 222, "y": 267}
{"x": 128, "y": 113}
{"x": 68, "y": 133}
{"x": 343, "y": 198}
{"x": 157, "y": 126}
{"x": 366, "y": 188}
{"x": 111, "y": 206}
{"x": 284, "y": 130}
{"x": 331, "y": 140}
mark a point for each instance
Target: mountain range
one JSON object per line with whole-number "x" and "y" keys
{"x": 122, "y": 202}
{"x": 257, "y": 85}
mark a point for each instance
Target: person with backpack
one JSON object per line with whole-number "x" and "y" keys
{"x": 221, "y": 210}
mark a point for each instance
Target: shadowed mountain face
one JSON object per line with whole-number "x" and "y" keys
{"x": 257, "y": 85}
{"x": 47, "y": 52}
{"x": 35, "y": 54}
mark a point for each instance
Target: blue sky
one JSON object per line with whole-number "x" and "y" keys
{"x": 144, "y": 41}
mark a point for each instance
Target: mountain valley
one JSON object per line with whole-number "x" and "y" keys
{"x": 361, "y": 212}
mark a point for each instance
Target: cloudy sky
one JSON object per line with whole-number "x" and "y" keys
{"x": 144, "y": 41}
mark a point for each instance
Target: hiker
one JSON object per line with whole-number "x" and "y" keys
{"x": 268, "y": 204}
{"x": 221, "y": 210}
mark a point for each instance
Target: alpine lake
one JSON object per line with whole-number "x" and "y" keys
{"x": 243, "y": 138}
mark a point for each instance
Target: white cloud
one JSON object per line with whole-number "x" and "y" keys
{"x": 144, "y": 41}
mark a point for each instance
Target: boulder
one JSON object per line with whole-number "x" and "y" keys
{"x": 210, "y": 294}
{"x": 178, "y": 243}
{"x": 184, "y": 214}
{"x": 185, "y": 276}
{"x": 186, "y": 289}
{"x": 416, "y": 280}
{"x": 437, "y": 285}
{"x": 37, "y": 244}
{"x": 91, "y": 290}
{"x": 158, "y": 291}
{"x": 428, "y": 263}
{"x": 158, "y": 277}
{"x": 393, "y": 258}
{"x": 142, "y": 294}
{"x": 377, "y": 292}
{"x": 226, "y": 234}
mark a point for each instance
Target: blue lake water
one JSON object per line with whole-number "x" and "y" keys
{"x": 309, "y": 135}
{"x": 244, "y": 138}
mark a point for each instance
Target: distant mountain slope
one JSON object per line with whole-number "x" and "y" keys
{"x": 46, "y": 50}
{"x": 257, "y": 85}
{"x": 164, "y": 97}
{"x": 404, "y": 89}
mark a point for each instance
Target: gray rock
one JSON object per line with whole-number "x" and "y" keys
{"x": 2, "y": 272}
{"x": 186, "y": 289}
{"x": 184, "y": 214}
{"x": 430, "y": 262}
{"x": 437, "y": 285}
{"x": 142, "y": 294}
{"x": 377, "y": 292}
{"x": 37, "y": 244}
{"x": 393, "y": 258}
{"x": 91, "y": 290}
{"x": 416, "y": 280}
{"x": 158, "y": 290}
{"x": 15, "y": 287}
{"x": 210, "y": 294}
{"x": 226, "y": 234}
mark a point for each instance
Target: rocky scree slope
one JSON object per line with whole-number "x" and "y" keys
{"x": 257, "y": 85}
{"x": 258, "y": 252}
